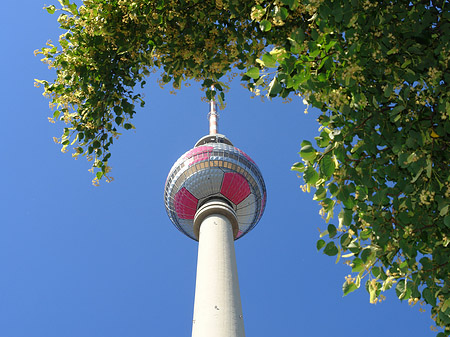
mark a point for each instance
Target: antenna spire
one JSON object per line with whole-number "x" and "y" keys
{"x": 213, "y": 116}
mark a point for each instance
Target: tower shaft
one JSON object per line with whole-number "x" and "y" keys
{"x": 217, "y": 306}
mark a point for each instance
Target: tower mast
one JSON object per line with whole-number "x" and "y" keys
{"x": 213, "y": 116}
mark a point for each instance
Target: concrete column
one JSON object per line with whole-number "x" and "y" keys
{"x": 217, "y": 306}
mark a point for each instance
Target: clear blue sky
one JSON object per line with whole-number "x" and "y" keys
{"x": 84, "y": 261}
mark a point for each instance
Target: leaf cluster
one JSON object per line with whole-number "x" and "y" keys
{"x": 109, "y": 47}
{"x": 379, "y": 73}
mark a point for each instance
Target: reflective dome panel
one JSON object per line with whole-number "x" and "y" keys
{"x": 214, "y": 168}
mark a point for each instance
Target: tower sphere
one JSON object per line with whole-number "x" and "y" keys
{"x": 214, "y": 169}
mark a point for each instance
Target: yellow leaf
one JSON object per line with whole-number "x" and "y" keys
{"x": 358, "y": 280}
{"x": 323, "y": 234}
{"x": 339, "y": 255}
{"x": 75, "y": 139}
{"x": 434, "y": 134}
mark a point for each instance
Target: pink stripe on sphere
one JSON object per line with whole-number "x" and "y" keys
{"x": 185, "y": 204}
{"x": 197, "y": 150}
{"x": 235, "y": 187}
{"x": 199, "y": 154}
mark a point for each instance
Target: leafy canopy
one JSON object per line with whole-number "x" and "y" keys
{"x": 378, "y": 71}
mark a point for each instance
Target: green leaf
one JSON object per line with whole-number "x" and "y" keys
{"x": 253, "y": 73}
{"x": 51, "y": 9}
{"x": 307, "y": 152}
{"x": 310, "y": 176}
{"x": 300, "y": 167}
{"x": 274, "y": 87}
{"x": 445, "y": 305}
{"x": 327, "y": 166}
{"x": 320, "y": 244}
{"x": 99, "y": 175}
{"x": 333, "y": 189}
{"x": 96, "y": 144}
{"x": 268, "y": 61}
{"x": 56, "y": 114}
{"x": 429, "y": 296}
{"x": 348, "y": 287}
{"x": 417, "y": 175}
{"x": 290, "y": 3}
{"x": 358, "y": 265}
{"x": 265, "y": 25}
{"x": 332, "y": 231}
{"x": 345, "y": 217}
{"x": 314, "y": 53}
{"x": 447, "y": 221}
{"x": 406, "y": 63}
{"x": 444, "y": 210}
{"x": 330, "y": 249}
{"x": 365, "y": 254}
{"x": 298, "y": 35}
{"x": 330, "y": 45}
{"x": 128, "y": 126}
{"x": 118, "y": 109}
{"x": 323, "y": 140}
{"x": 221, "y": 98}
{"x": 376, "y": 271}
{"x": 397, "y": 110}
{"x": 320, "y": 194}
{"x": 365, "y": 234}
{"x": 345, "y": 240}
{"x": 388, "y": 90}
{"x": 444, "y": 318}
{"x": 119, "y": 120}
{"x": 394, "y": 50}
{"x": 283, "y": 13}
{"x": 379, "y": 198}
{"x": 426, "y": 263}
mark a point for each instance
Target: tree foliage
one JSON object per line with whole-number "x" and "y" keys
{"x": 109, "y": 47}
{"x": 378, "y": 71}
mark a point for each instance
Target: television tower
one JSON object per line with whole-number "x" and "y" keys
{"x": 215, "y": 194}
